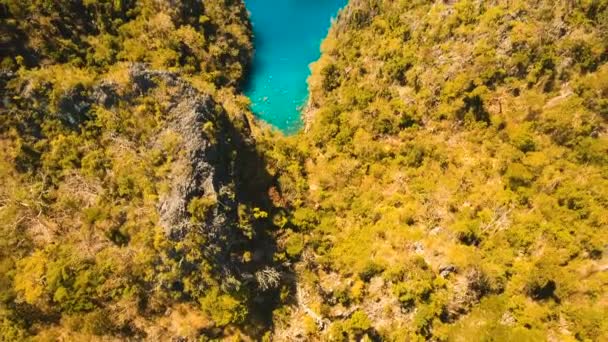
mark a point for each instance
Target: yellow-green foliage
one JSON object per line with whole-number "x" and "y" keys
{"x": 211, "y": 39}
{"x": 223, "y": 308}
{"x": 472, "y": 134}
{"x": 354, "y": 328}
{"x": 200, "y": 208}
{"x": 82, "y": 251}
{"x": 450, "y": 184}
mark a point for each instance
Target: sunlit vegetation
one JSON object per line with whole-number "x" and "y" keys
{"x": 89, "y": 148}
{"x": 455, "y": 162}
{"x": 451, "y": 182}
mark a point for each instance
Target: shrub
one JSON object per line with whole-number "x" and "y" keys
{"x": 523, "y": 140}
{"x": 370, "y": 270}
{"x": 294, "y": 245}
{"x": 200, "y": 208}
{"x": 357, "y": 324}
{"x": 223, "y": 309}
{"x": 518, "y": 175}
{"x": 331, "y": 77}
{"x": 468, "y": 232}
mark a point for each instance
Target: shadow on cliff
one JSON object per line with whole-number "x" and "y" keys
{"x": 254, "y": 188}
{"x": 239, "y": 232}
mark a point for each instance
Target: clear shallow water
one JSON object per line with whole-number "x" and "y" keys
{"x": 288, "y": 35}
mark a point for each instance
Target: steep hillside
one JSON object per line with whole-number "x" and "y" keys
{"x": 452, "y": 182}
{"x": 211, "y": 39}
{"x": 130, "y": 206}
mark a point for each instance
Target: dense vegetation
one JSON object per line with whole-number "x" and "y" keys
{"x": 114, "y": 112}
{"x": 452, "y": 182}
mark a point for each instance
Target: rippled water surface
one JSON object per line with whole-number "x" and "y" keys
{"x": 288, "y": 34}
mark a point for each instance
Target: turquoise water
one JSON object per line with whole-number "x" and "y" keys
{"x": 288, "y": 34}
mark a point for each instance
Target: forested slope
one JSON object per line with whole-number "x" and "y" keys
{"x": 130, "y": 206}
{"x": 452, "y": 180}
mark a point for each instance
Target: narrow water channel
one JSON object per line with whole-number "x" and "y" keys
{"x": 288, "y": 35}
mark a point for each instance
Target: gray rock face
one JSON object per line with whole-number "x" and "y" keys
{"x": 74, "y": 105}
{"x": 202, "y": 169}
{"x": 203, "y": 166}
{"x": 208, "y": 171}
{"x": 199, "y": 148}
{"x": 105, "y": 95}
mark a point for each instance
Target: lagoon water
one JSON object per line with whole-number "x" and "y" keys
{"x": 288, "y": 34}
